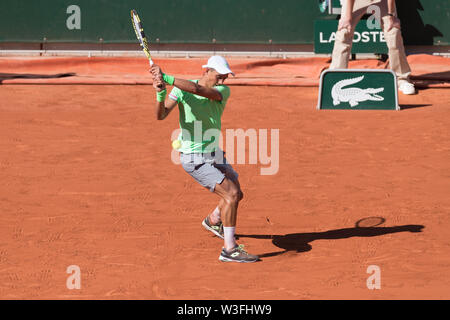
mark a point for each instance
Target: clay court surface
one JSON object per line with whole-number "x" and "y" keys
{"x": 87, "y": 180}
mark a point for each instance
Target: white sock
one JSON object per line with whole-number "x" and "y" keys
{"x": 228, "y": 234}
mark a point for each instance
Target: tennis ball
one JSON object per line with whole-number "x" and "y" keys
{"x": 176, "y": 144}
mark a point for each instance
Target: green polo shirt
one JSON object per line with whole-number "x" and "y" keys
{"x": 197, "y": 116}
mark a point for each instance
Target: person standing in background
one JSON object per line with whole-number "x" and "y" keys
{"x": 352, "y": 12}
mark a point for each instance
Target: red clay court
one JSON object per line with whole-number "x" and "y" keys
{"x": 87, "y": 180}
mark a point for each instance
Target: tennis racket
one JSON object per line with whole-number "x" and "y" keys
{"x": 139, "y": 30}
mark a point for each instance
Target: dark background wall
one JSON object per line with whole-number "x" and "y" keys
{"x": 425, "y": 22}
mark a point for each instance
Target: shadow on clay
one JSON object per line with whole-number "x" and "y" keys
{"x": 300, "y": 242}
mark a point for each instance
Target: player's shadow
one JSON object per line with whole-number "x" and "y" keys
{"x": 300, "y": 242}
{"x": 10, "y": 76}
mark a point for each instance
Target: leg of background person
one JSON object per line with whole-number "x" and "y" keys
{"x": 394, "y": 40}
{"x": 342, "y": 49}
{"x": 343, "y": 42}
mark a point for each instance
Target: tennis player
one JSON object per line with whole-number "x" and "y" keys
{"x": 352, "y": 12}
{"x": 201, "y": 104}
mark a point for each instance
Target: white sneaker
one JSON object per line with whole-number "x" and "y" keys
{"x": 406, "y": 87}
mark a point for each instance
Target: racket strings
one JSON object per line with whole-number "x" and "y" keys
{"x": 138, "y": 29}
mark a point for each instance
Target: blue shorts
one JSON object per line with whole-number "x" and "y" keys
{"x": 208, "y": 169}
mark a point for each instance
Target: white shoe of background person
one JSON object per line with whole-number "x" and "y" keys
{"x": 406, "y": 87}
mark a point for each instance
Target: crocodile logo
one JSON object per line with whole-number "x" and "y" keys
{"x": 354, "y": 95}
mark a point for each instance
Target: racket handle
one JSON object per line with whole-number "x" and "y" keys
{"x": 151, "y": 64}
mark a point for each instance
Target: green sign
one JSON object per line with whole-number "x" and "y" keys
{"x": 365, "y": 40}
{"x": 368, "y": 89}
